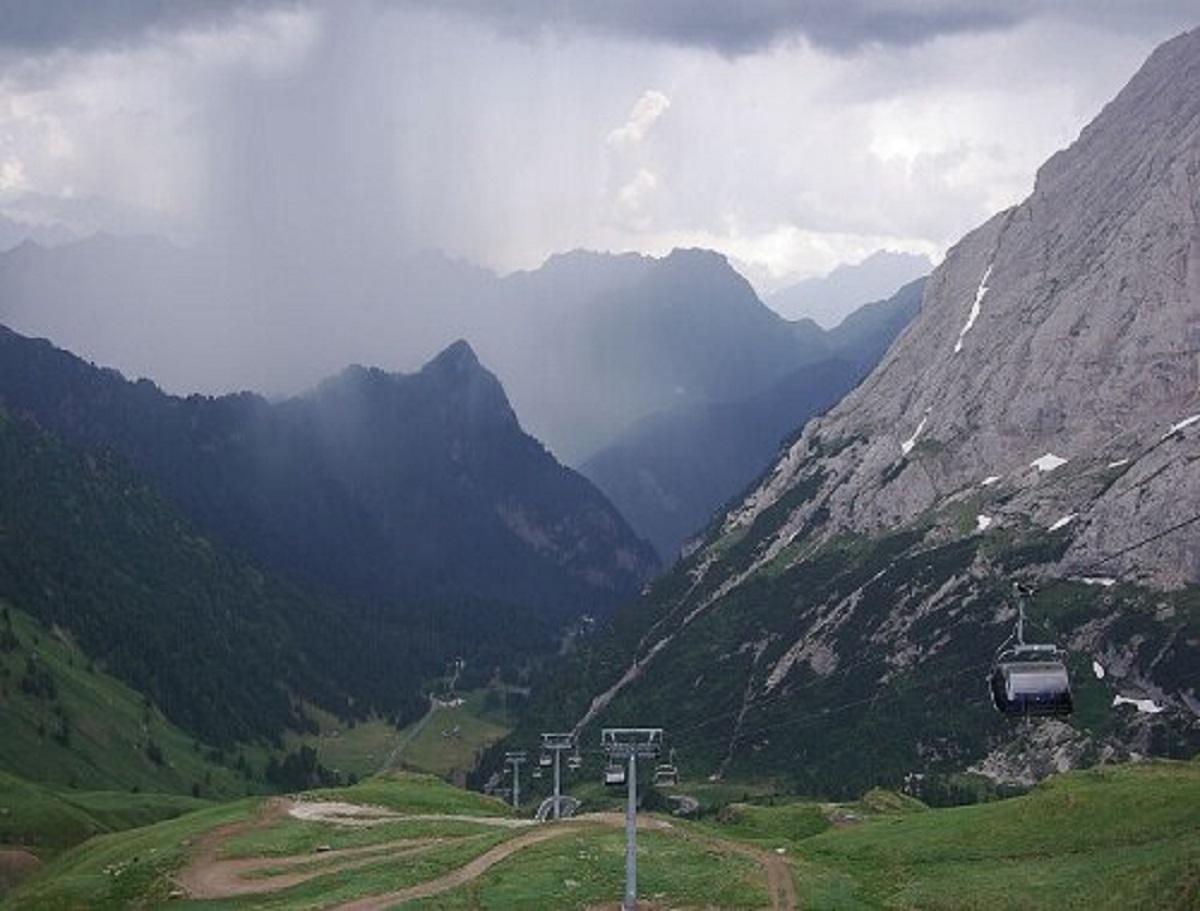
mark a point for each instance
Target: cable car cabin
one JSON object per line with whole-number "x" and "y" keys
{"x": 614, "y": 775}
{"x": 1031, "y": 687}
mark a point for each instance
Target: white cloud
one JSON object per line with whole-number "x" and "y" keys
{"x": 649, "y": 107}
{"x": 12, "y": 174}
{"x": 632, "y": 201}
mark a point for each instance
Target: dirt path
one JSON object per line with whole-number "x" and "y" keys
{"x": 199, "y": 878}
{"x": 780, "y": 884}
{"x": 779, "y": 875}
{"x": 464, "y": 874}
{"x": 208, "y": 876}
{"x": 248, "y": 876}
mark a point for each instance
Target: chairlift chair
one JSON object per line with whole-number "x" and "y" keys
{"x": 545, "y": 761}
{"x": 1030, "y": 679}
{"x": 575, "y": 762}
{"x": 666, "y": 775}
{"x": 614, "y": 775}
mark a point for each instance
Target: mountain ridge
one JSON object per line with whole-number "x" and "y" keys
{"x": 672, "y": 471}
{"x": 236, "y": 463}
{"x": 385, "y": 523}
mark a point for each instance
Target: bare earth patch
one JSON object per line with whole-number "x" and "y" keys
{"x": 15, "y": 865}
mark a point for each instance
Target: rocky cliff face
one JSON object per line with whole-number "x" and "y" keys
{"x": 1067, "y": 326}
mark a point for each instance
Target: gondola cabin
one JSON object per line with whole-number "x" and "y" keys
{"x": 1031, "y": 686}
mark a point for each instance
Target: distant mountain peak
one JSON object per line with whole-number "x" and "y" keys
{"x": 829, "y": 299}
{"x": 458, "y": 356}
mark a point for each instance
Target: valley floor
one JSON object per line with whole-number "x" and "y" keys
{"x": 1115, "y": 837}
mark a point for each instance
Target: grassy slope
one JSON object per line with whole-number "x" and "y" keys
{"x": 47, "y": 821}
{"x": 95, "y": 733}
{"x": 450, "y": 743}
{"x": 1116, "y": 837}
{"x": 446, "y": 744}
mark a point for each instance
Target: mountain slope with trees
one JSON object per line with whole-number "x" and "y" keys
{"x": 373, "y": 487}
{"x": 1038, "y": 422}
{"x": 240, "y": 562}
{"x": 91, "y": 550}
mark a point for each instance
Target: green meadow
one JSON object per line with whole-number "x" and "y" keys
{"x": 1114, "y": 837}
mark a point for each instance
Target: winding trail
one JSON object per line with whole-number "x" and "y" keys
{"x": 464, "y": 874}
{"x": 209, "y": 876}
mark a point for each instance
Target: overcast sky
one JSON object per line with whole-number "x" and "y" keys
{"x": 792, "y": 136}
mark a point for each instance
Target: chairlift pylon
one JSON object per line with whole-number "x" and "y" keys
{"x": 1029, "y": 679}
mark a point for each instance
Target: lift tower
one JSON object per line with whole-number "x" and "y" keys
{"x": 630, "y": 745}
{"x": 515, "y": 758}
{"x": 553, "y": 746}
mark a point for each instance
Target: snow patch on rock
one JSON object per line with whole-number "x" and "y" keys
{"x": 976, "y": 308}
{"x": 1048, "y": 462}
{"x": 1149, "y": 706}
{"x": 1063, "y": 522}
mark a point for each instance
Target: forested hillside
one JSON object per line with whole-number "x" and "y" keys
{"x": 225, "y": 650}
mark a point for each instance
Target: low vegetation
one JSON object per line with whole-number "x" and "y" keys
{"x": 1116, "y": 837}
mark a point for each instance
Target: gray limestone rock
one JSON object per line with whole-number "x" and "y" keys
{"x": 1068, "y": 325}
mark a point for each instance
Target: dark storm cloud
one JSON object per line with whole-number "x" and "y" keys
{"x": 33, "y": 26}
{"x": 842, "y": 26}
{"x": 739, "y": 28}
{"x": 728, "y": 27}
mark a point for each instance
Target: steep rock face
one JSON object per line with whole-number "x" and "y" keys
{"x": 1068, "y": 325}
